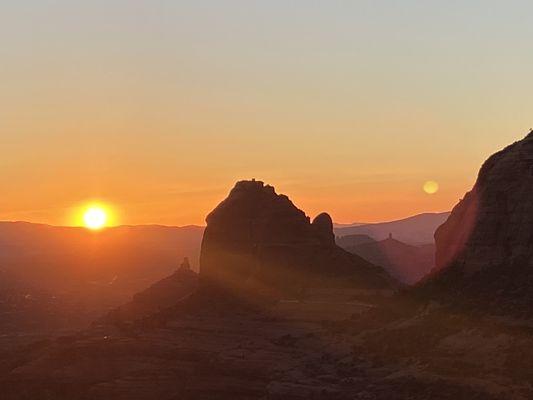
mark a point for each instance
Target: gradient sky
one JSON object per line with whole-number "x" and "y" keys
{"x": 158, "y": 107}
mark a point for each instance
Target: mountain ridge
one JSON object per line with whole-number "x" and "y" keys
{"x": 415, "y": 230}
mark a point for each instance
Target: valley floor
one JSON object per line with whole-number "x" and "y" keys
{"x": 310, "y": 349}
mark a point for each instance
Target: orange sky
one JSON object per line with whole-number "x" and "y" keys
{"x": 157, "y": 108}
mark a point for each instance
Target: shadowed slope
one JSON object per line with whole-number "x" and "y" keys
{"x": 406, "y": 263}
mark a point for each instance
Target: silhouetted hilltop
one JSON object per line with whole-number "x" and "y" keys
{"x": 161, "y": 295}
{"x": 485, "y": 248}
{"x": 257, "y": 240}
{"x": 415, "y": 230}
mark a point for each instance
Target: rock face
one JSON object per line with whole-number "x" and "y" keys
{"x": 257, "y": 240}
{"x": 485, "y": 248}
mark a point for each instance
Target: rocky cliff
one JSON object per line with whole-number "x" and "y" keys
{"x": 259, "y": 241}
{"x": 485, "y": 248}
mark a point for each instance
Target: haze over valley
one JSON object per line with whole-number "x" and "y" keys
{"x": 266, "y": 200}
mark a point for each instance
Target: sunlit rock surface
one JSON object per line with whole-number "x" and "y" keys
{"x": 485, "y": 248}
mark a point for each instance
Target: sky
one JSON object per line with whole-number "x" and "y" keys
{"x": 156, "y": 108}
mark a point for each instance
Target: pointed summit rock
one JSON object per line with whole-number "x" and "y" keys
{"x": 485, "y": 248}
{"x": 258, "y": 241}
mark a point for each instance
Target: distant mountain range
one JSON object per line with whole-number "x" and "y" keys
{"x": 415, "y": 230}
{"x": 405, "y": 262}
{"x": 109, "y": 266}
{"x": 93, "y": 270}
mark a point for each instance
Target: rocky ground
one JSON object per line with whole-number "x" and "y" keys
{"x": 295, "y": 349}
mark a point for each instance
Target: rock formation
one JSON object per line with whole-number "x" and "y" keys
{"x": 485, "y": 248}
{"x": 258, "y": 241}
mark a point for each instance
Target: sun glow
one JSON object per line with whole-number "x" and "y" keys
{"x": 95, "y": 217}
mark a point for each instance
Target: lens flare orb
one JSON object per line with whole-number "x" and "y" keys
{"x": 431, "y": 187}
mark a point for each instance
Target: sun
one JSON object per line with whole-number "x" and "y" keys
{"x": 94, "y": 215}
{"x": 431, "y": 187}
{"x": 95, "y": 218}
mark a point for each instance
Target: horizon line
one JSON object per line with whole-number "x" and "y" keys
{"x": 335, "y": 224}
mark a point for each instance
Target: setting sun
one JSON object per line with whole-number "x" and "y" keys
{"x": 95, "y": 218}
